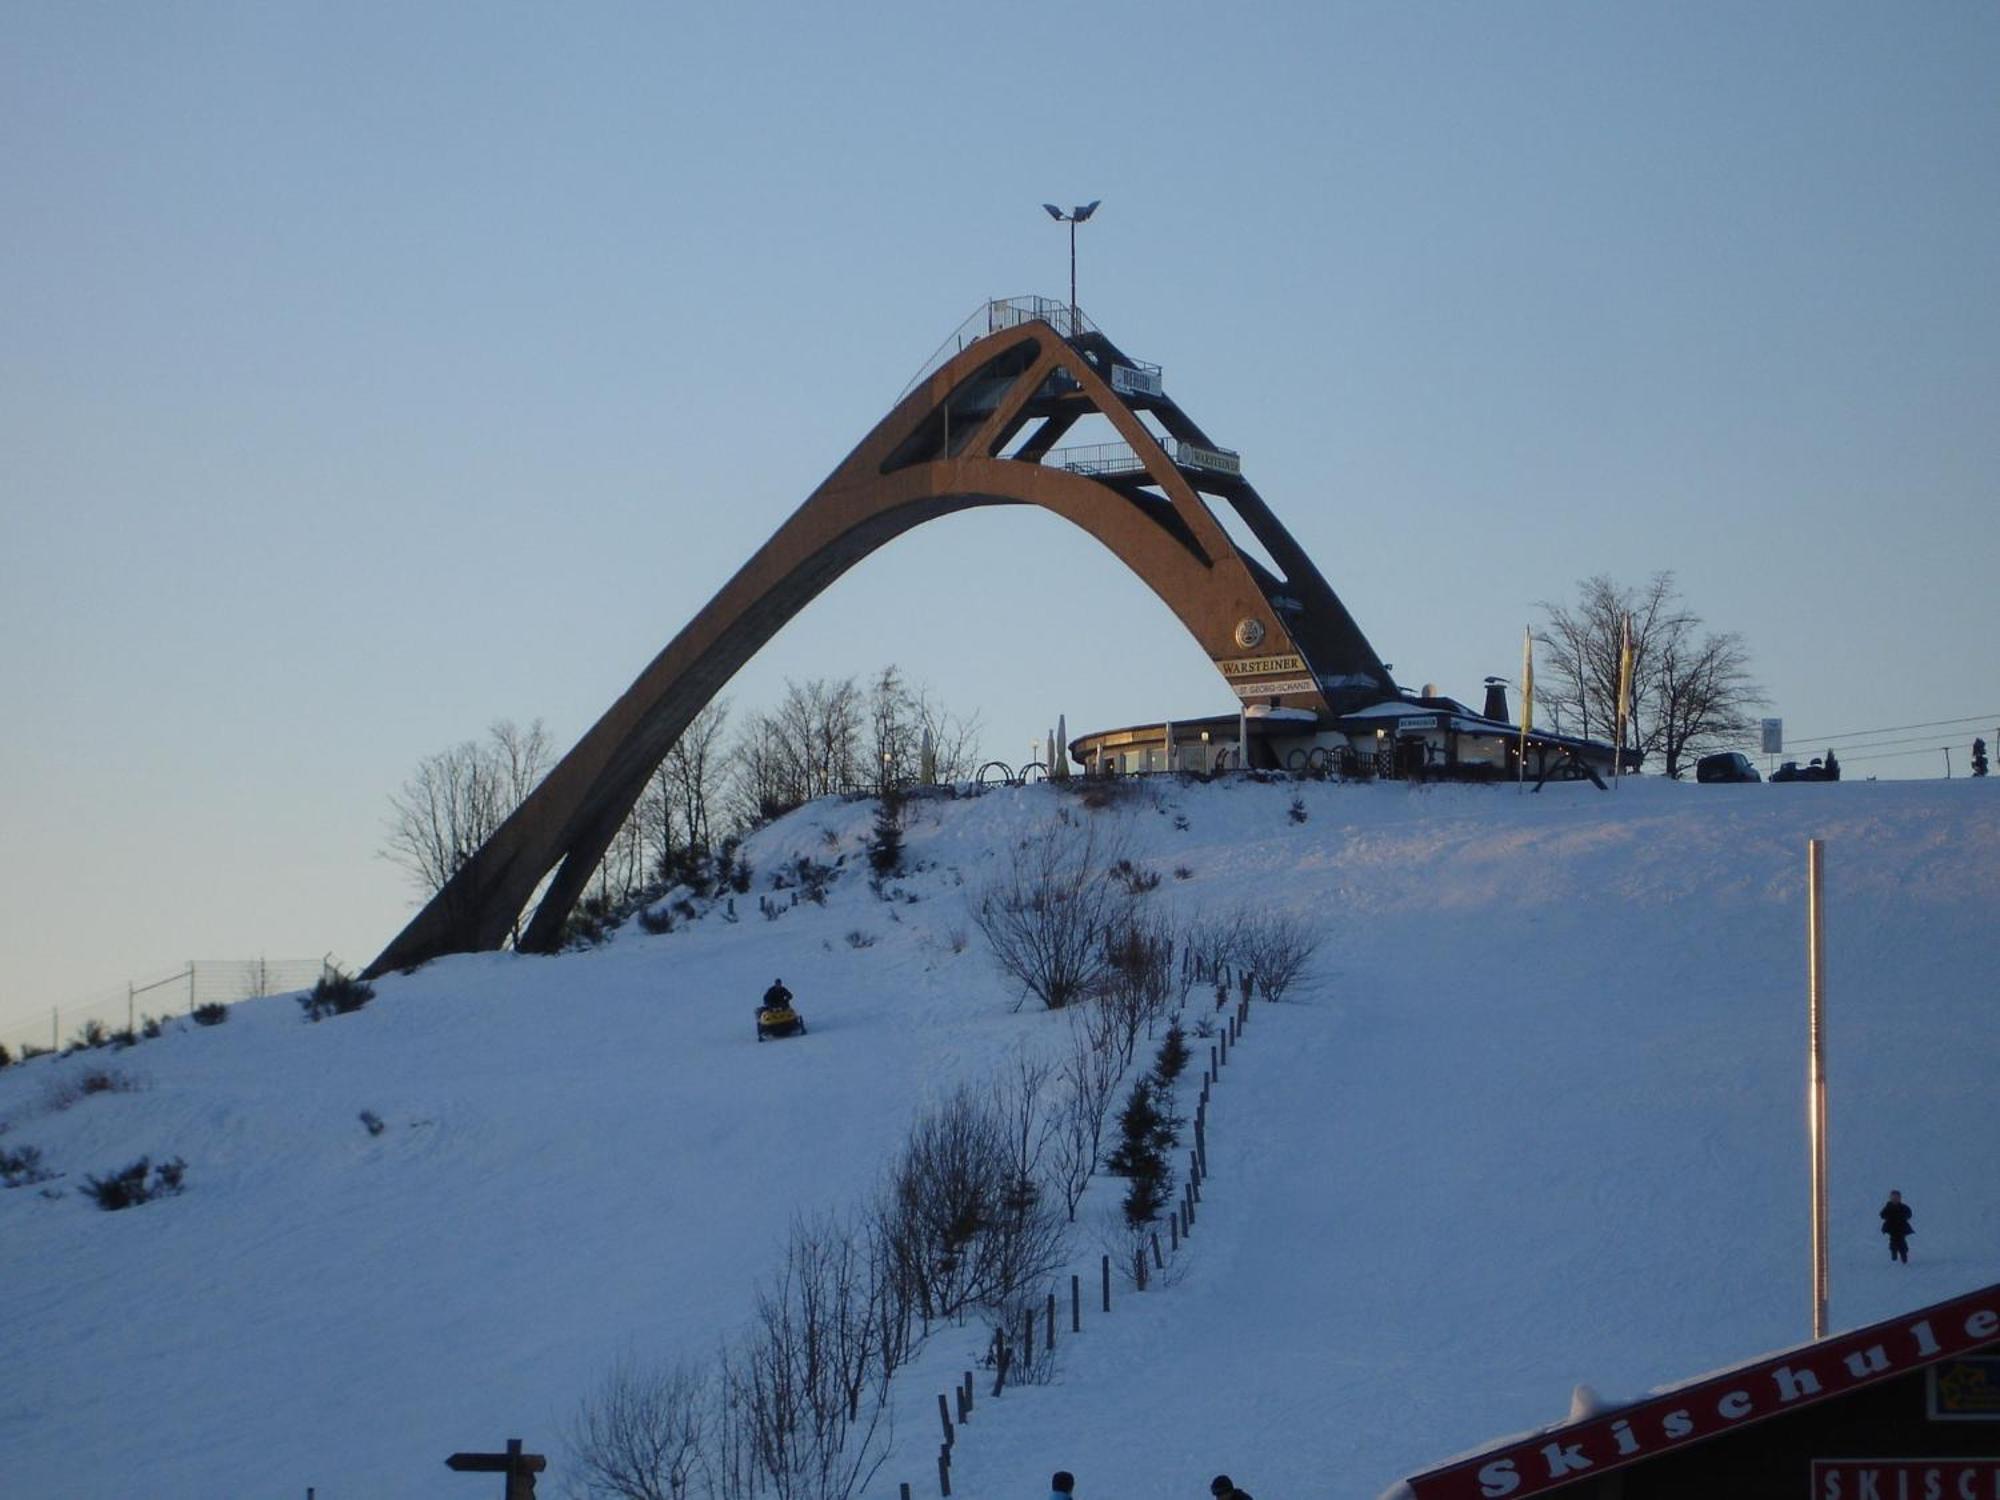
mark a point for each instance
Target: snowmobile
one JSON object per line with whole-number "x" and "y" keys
{"x": 779, "y": 1020}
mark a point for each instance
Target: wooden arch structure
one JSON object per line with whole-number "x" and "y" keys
{"x": 980, "y": 429}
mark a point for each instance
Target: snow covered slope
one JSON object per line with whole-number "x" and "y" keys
{"x": 1538, "y": 1120}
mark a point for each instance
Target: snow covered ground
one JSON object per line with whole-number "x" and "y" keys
{"x": 1538, "y": 1120}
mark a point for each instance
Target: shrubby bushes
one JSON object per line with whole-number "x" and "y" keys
{"x": 139, "y": 1183}
{"x": 22, "y": 1167}
{"x": 336, "y": 994}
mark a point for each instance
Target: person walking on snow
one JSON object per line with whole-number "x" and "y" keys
{"x": 1896, "y": 1224}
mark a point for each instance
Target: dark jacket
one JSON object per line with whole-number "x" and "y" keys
{"x": 1896, "y": 1220}
{"x": 776, "y": 996}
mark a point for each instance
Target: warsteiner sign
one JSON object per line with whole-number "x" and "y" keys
{"x": 1792, "y": 1381}
{"x": 1260, "y": 666}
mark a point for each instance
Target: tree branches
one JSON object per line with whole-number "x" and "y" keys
{"x": 1691, "y": 689}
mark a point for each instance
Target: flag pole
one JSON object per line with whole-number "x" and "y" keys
{"x": 1816, "y": 1078}
{"x": 1527, "y": 701}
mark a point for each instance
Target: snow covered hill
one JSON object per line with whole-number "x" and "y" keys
{"x": 1537, "y": 1119}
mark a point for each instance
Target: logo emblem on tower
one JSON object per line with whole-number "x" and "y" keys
{"x": 1249, "y": 634}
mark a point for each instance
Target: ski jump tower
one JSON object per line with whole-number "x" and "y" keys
{"x": 979, "y": 427}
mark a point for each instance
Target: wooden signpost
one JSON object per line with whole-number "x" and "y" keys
{"x": 520, "y": 1468}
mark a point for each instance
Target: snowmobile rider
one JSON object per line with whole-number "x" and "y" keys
{"x": 777, "y": 997}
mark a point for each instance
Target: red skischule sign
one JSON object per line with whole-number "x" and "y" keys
{"x": 1906, "y": 1478}
{"x": 1798, "y": 1378}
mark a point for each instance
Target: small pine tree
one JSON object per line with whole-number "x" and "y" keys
{"x": 1145, "y": 1133}
{"x": 1172, "y": 1059}
{"x": 885, "y": 855}
{"x": 1979, "y": 757}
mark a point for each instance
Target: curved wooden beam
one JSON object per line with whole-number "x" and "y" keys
{"x": 937, "y": 453}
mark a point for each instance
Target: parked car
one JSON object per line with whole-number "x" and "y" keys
{"x": 1791, "y": 770}
{"x": 1729, "y": 765}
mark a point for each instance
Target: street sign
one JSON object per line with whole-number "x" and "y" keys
{"x": 1774, "y": 736}
{"x": 520, "y": 1468}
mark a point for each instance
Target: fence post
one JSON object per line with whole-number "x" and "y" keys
{"x": 1052, "y": 1322}
{"x": 1107, "y": 1283}
{"x": 968, "y": 1393}
{"x": 944, "y": 1416}
{"x": 1028, "y": 1337}
{"x": 902, "y": 1491}
{"x": 1159, "y": 1262}
{"x": 1174, "y": 1230}
{"x": 944, "y": 1473}
{"x": 1075, "y": 1303}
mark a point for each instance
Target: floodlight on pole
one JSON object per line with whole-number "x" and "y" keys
{"x": 1073, "y": 218}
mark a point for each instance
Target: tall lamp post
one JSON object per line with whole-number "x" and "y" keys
{"x": 1073, "y": 218}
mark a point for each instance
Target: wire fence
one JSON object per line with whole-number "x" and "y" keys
{"x": 1946, "y": 741}
{"x": 201, "y": 982}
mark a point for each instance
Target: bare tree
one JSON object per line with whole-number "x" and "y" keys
{"x": 1047, "y": 917}
{"x": 807, "y": 747}
{"x": 1701, "y": 698}
{"x": 456, "y": 799}
{"x": 1690, "y": 689}
{"x": 1021, "y": 1103}
{"x": 1277, "y": 948}
{"x": 622, "y": 872}
{"x": 820, "y": 721}
{"x": 258, "y": 980}
{"x": 954, "y": 740}
{"x": 963, "y": 1231}
{"x": 895, "y": 734}
{"x": 691, "y": 774}
{"x": 1580, "y": 646}
{"x": 1085, "y": 1083}
{"x": 804, "y": 1382}
{"x": 761, "y": 778}
{"x": 639, "y": 1435}
{"x": 1209, "y": 947}
{"x": 1138, "y": 983}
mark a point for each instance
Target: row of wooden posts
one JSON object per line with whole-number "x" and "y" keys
{"x": 519, "y": 1468}
{"x": 955, "y": 1409}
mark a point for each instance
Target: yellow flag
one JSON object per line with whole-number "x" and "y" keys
{"x": 1624, "y": 690}
{"x": 1527, "y": 682}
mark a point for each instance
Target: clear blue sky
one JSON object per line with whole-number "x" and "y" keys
{"x": 371, "y": 372}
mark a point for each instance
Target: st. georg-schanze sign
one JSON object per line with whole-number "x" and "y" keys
{"x": 1799, "y": 1378}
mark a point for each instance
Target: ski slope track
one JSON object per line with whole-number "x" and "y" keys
{"x": 1536, "y": 1118}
